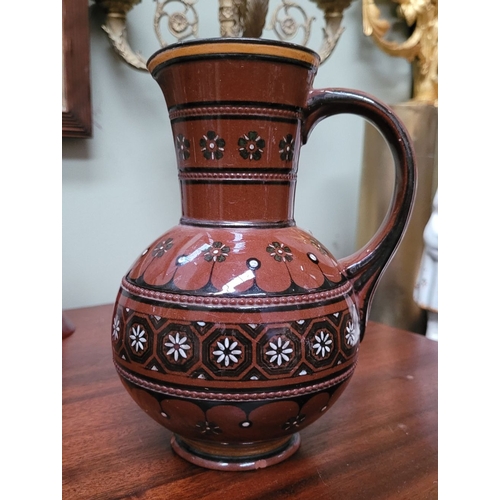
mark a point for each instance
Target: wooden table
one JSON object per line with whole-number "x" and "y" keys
{"x": 379, "y": 441}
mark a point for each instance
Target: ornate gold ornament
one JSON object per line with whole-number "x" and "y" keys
{"x": 421, "y": 47}
{"x": 116, "y": 29}
{"x": 393, "y": 303}
{"x": 237, "y": 18}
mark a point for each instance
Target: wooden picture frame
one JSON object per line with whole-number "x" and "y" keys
{"x": 76, "y": 103}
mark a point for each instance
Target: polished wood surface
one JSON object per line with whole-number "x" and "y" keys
{"x": 379, "y": 441}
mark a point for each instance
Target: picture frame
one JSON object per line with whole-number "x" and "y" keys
{"x": 76, "y": 98}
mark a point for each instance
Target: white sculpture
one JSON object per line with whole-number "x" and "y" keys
{"x": 425, "y": 293}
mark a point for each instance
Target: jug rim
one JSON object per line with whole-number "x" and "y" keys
{"x": 225, "y": 46}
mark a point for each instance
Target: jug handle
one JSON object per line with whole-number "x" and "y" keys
{"x": 365, "y": 267}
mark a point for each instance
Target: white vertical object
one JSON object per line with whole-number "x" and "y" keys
{"x": 426, "y": 287}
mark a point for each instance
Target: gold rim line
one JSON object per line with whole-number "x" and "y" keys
{"x": 233, "y": 48}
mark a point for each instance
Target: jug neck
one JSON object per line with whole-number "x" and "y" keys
{"x": 257, "y": 198}
{"x": 236, "y": 110}
{"x": 237, "y": 162}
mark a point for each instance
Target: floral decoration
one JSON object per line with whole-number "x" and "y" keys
{"x": 208, "y": 428}
{"x": 182, "y": 144}
{"x": 212, "y": 146}
{"x": 218, "y": 252}
{"x": 162, "y": 247}
{"x": 280, "y": 252}
{"x": 323, "y": 343}
{"x": 287, "y": 145}
{"x": 138, "y": 338}
{"x": 279, "y": 351}
{"x": 294, "y": 422}
{"x": 351, "y": 334}
{"x": 176, "y": 346}
{"x": 116, "y": 328}
{"x": 314, "y": 242}
{"x": 227, "y": 352}
{"x": 251, "y": 146}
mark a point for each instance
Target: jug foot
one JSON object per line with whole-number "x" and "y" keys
{"x": 235, "y": 457}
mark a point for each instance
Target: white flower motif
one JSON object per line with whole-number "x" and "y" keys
{"x": 116, "y": 328}
{"x": 138, "y": 338}
{"x": 323, "y": 342}
{"x": 208, "y": 428}
{"x": 279, "y": 351}
{"x": 351, "y": 334}
{"x": 294, "y": 422}
{"x": 227, "y": 351}
{"x": 177, "y": 346}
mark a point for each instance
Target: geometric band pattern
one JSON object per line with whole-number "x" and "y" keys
{"x": 216, "y": 351}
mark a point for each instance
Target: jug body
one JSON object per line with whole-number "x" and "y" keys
{"x": 236, "y": 329}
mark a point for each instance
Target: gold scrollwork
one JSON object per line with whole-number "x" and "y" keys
{"x": 421, "y": 47}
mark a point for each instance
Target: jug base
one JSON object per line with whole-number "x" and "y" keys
{"x": 235, "y": 457}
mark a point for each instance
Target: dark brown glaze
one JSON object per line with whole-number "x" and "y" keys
{"x": 236, "y": 329}
{"x": 365, "y": 266}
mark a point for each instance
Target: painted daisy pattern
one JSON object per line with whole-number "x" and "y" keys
{"x": 279, "y": 351}
{"x": 251, "y": 146}
{"x": 314, "y": 242}
{"x": 217, "y": 252}
{"x": 177, "y": 345}
{"x": 162, "y": 247}
{"x": 323, "y": 343}
{"x": 287, "y": 145}
{"x": 208, "y": 428}
{"x": 115, "y": 333}
{"x": 212, "y": 146}
{"x": 351, "y": 334}
{"x": 182, "y": 144}
{"x": 294, "y": 422}
{"x": 227, "y": 352}
{"x": 138, "y": 338}
{"x": 279, "y": 252}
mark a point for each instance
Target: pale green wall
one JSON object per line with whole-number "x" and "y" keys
{"x": 120, "y": 189}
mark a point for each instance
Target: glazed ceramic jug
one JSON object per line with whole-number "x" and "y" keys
{"x": 236, "y": 329}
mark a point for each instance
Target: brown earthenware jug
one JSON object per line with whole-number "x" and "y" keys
{"x": 236, "y": 329}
